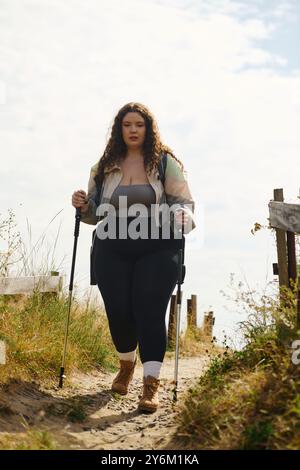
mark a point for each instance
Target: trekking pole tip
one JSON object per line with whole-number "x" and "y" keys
{"x": 61, "y": 377}
{"x": 175, "y": 390}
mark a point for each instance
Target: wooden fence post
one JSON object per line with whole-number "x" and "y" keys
{"x": 285, "y": 218}
{"x": 292, "y": 264}
{"x": 298, "y": 306}
{"x": 281, "y": 246}
{"x": 192, "y": 312}
{"x": 172, "y": 322}
{"x": 208, "y": 323}
{"x": 188, "y": 311}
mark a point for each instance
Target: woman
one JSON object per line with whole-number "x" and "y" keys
{"x": 137, "y": 275}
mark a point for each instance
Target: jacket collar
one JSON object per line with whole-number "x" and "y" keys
{"x": 114, "y": 167}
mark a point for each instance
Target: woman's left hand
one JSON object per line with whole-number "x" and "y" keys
{"x": 181, "y": 217}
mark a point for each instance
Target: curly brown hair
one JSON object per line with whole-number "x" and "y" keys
{"x": 152, "y": 146}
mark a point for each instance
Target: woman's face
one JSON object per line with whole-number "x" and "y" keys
{"x": 133, "y": 125}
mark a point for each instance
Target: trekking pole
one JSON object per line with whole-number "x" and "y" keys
{"x": 76, "y": 234}
{"x": 181, "y": 275}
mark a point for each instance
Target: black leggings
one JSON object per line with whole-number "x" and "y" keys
{"x": 136, "y": 279}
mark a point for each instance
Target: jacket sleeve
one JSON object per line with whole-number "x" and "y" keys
{"x": 178, "y": 192}
{"x": 90, "y": 217}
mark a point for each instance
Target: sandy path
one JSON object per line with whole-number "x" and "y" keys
{"x": 109, "y": 421}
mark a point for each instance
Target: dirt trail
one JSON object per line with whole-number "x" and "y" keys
{"x": 87, "y": 415}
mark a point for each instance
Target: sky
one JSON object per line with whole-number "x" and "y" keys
{"x": 222, "y": 78}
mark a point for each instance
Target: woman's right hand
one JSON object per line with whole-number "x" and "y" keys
{"x": 79, "y": 199}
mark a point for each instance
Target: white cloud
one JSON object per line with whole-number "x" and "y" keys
{"x": 286, "y": 11}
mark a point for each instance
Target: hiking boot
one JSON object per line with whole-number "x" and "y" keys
{"x": 124, "y": 377}
{"x": 149, "y": 401}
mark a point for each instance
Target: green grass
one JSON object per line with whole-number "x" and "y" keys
{"x": 33, "y": 326}
{"x": 33, "y": 439}
{"x": 33, "y": 330}
{"x": 77, "y": 413}
{"x": 248, "y": 399}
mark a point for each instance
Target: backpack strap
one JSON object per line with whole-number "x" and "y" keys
{"x": 99, "y": 181}
{"x": 162, "y": 168}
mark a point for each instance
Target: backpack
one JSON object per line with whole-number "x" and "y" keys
{"x": 99, "y": 182}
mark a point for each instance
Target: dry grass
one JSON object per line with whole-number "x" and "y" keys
{"x": 33, "y": 439}
{"x": 248, "y": 399}
{"x": 33, "y": 326}
{"x": 195, "y": 343}
{"x": 33, "y": 330}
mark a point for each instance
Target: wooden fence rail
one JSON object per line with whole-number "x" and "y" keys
{"x": 26, "y": 285}
{"x": 48, "y": 286}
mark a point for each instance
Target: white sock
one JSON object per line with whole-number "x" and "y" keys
{"x": 128, "y": 356}
{"x": 152, "y": 368}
